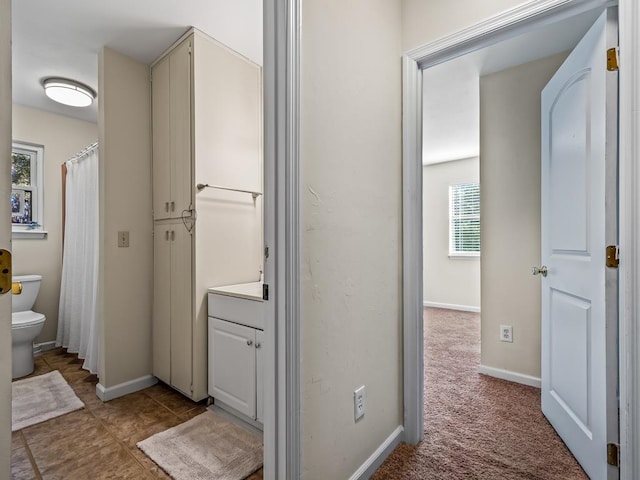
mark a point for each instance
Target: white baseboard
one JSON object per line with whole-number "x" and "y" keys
{"x": 451, "y": 306}
{"x": 378, "y": 457}
{"x": 241, "y": 416}
{"x": 38, "y": 348}
{"x": 510, "y": 376}
{"x": 109, "y": 393}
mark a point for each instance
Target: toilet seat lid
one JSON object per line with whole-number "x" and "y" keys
{"x": 24, "y": 319}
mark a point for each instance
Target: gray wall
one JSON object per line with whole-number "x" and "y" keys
{"x": 126, "y": 274}
{"x": 351, "y": 231}
{"x": 449, "y": 282}
{"x": 510, "y": 212}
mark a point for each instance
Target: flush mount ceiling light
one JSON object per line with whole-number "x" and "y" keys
{"x": 68, "y": 92}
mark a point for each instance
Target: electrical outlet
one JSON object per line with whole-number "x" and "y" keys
{"x": 506, "y": 333}
{"x": 359, "y": 404}
{"x": 123, "y": 239}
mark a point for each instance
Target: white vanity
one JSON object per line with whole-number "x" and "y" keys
{"x": 236, "y": 324}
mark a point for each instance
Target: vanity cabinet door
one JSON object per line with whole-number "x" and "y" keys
{"x": 259, "y": 375}
{"x": 232, "y": 365}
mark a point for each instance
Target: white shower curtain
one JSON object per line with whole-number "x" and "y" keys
{"x": 78, "y": 313}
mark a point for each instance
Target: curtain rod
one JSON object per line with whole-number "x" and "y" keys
{"x": 82, "y": 152}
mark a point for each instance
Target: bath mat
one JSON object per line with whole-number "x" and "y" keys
{"x": 207, "y": 447}
{"x": 40, "y": 398}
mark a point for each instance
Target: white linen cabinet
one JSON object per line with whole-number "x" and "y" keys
{"x": 206, "y": 128}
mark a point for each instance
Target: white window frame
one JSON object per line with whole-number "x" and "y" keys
{"x": 453, "y": 253}
{"x": 36, "y": 188}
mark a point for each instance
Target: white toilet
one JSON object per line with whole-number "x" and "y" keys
{"x": 26, "y": 324}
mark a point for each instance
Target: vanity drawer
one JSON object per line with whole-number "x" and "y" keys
{"x": 238, "y": 310}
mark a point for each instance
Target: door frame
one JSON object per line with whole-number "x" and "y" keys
{"x": 513, "y": 22}
{"x": 281, "y": 83}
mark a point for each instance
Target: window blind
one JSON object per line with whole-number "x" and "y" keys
{"x": 464, "y": 219}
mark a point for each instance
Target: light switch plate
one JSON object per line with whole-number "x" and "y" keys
{"x": 359, "y": 404}
{"x": 123, "y": 239}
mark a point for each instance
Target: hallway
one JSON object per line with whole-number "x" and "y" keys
{"x": 476, "y": 426}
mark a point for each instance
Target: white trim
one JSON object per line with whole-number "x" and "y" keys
{"x": 282, "y": 444}
{"x": 451, "y": 306}
{"x": 109, "y": 393}
{"x": 517, "y": 20}
{"x": 237, "y": 418}
{"x": 39, "y": 348}
{"x": 629, "y": 288}
{"x": 240, "y": 417}
{"x": 37, "y": 208}
{"x": 378, "y": 457}
{"x": 510, "y": 376}
{"x": 502, "y": 26}
{"x": 413, "y": 334}
{"x": 28, "y": 234}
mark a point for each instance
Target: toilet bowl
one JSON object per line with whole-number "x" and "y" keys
{"x": 26, "y": 324}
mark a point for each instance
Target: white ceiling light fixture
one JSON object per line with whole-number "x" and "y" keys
{"x": 68, "y": 92}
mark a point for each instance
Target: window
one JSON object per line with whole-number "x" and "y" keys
{"x": 464, "y": 220}
{"x": 26, "y": 189}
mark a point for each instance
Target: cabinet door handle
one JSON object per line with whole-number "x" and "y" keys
{"x": 249, "y": 342}
{"x": 173, "y": 235}
{"x": 166, "y": 235}
{"x": 166, "y": 206}
{"x": 173, "y": 206}
{"x": 258, "y": 344}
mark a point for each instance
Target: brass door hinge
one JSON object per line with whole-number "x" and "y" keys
{"x": 612, "y": 59}
{"x": 612, "y": 256}
{"x": 613, "y": 454}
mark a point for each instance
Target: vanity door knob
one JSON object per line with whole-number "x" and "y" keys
{"x": 258, "y": 345}
{"x": 249, "y": 342}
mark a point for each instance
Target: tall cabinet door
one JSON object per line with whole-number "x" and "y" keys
{"x": 172, "y": 135}
{"x": 181, "y": 308}
{"x": 161, "y": 129}
{"x": 161, "y": 331}
{"x": 180, "y": 124}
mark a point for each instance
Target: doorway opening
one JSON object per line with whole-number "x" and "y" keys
{"x": 496, "y": 281}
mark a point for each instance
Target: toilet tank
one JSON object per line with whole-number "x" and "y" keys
{"x": 29, "y": 286}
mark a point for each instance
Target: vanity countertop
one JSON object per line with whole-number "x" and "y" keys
{"x": 248, "y": 291}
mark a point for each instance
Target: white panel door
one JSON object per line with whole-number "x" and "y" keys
{"x": 232, "y": 374}
{"x": 579, "y": 304}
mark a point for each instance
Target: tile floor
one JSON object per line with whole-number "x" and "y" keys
{"x": 98, "y": 441}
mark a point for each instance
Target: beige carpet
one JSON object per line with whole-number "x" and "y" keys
{"x": 476, "y": 427}
{"x": 40, "y": 398}
{"x": 207, "y": 447}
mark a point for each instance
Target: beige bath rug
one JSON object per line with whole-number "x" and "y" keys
{"x": 207, "y": 447}
{"x": 36, "y": 399}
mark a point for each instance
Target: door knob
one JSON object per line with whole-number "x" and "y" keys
{"x": 540, "y": 271}
{"x": 249, "y": 342}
